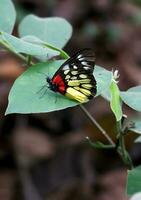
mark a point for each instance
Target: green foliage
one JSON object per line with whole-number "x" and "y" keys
{"x": 7, "y": 16}
{"x": 55, "y": 31}
{"x": 132, "y": 98}
{"x": 44, "y": 38}
{"x": 18, "y": 45}
{"x": 134, "y": 181}
{"x": 34, "y": 40}
{"x": 103, "y": 78}
{"x": 115, "y": 101}
{"x": 25, "y": 97}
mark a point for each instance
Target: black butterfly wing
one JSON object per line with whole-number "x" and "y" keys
{"x": 77, "y": 74}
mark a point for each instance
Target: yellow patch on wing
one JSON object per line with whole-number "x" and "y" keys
{"x": 85, "y": 80}
{"x": 85, "y": 91}
{"x": 75, "y": 94}
{"x": 74, "y": 83}
{"x": 87, "y": 86}
{"x": 78, "y": 82}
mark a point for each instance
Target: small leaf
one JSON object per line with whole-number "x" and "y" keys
{"x": 55, "y": 31}
{"x": 7, "y": 16}
{"x": 25, "y": 98}
{"x": 21, "y": 46}
{"x": 99, "y": 145}
{"x": 134, "y": 181}
{"x": 132, "y": 98}
{"x": 115, "y": 102}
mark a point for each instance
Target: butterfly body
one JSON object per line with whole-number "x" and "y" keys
{"x": 74, "y": 78}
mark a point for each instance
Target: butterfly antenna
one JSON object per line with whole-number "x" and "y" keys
{"x": 41, "y": 89}
{"x": 43, "y": 93}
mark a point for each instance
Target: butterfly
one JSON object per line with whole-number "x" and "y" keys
{"x": 74, "y": 79}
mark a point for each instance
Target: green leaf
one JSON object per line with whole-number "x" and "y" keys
{"x": 25, "y": 97}
{"x": 34, "y": 40}
{"x": 7, "y": 16}
{"x": 106, "y": 95}
{"x": 115, "y": 102}
{"x": 132, "y": 98}
{"x": 104, "y": 78}
{"x": 134, "y": 181}
{"x": 21, "y": 46}
{"x": 55, "y": 31}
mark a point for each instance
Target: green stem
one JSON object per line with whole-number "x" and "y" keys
{"x": 121, "y": 138}
{"x": 29, "y": 60}
{"x": 121, "y": 147}
{"x": 95, "y": 123}
{"x": 121, "y": 150}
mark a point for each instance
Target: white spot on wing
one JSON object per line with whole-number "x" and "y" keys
{"x": 73, "y": 78}
{"x": 66, "y": 67}
{"x": 83, "y": 76}
{"x": 80, "y": 59}
{"x": 84, "y": 63}
{"x": 79, "y": 56}
{"x": 86, "y": 68}
{"x": 74, "y": 67}
{"x": 74, "y": 72}
{"x": 66, "y": 71}
{"x": 67, "y": 77}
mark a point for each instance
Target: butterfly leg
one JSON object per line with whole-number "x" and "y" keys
{"x": 55, "y": 98}
{"x": 41, "y": 89}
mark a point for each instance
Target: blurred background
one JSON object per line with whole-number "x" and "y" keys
{"x": 46, "y": 156}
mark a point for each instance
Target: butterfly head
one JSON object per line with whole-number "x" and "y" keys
{"x": 52, "y": 86}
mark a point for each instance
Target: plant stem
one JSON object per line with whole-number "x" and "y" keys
{"x": 121, "y": 147}
{"x": 96, "y": 124}
{"x": 29, "y": 60}
{"x": 121, "y": 150}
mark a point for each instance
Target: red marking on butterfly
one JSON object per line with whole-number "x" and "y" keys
{"x": 58, "y": 81}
